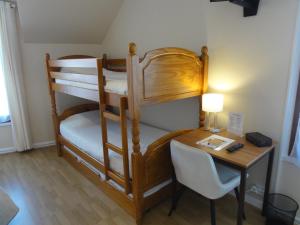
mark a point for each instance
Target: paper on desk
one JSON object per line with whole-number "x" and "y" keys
{"x": 215, "y": 142}
{"x": 236, "y": 123}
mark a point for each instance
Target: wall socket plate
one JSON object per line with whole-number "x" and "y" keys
{"x": 257, "y": 189}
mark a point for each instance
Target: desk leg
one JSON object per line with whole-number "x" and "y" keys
{"x": 242, "y": 197}
{"x": 268, "y": 181}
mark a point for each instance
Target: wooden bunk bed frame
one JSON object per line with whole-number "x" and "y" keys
{"x": 163, "y": 75}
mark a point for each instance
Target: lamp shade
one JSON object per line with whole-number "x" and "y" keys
{"x": 212, "y": 102}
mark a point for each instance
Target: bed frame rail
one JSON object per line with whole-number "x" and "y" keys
{"x": 76, "y": 77}
{"x": 83, "y": 85}
{"x": 90, "y": 86}
{"x": 106, "y": 114}
{"x": 163, "y": 75}
{"x": 76, "y": 84}
{"x": 74, "y": 63}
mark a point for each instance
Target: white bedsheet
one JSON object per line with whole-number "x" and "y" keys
{"x": 84, "y": 131}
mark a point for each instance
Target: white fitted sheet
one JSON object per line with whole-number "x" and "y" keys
{"x": 84, "y": 131}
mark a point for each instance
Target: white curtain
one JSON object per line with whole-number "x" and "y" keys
{"x": 10, "y": 58}
{"x": 4, "y": 111}
{"x": 295, "y": 153}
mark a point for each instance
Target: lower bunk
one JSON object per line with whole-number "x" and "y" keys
{"x": 150, "y": 199}
{"x": 79, "y": 142}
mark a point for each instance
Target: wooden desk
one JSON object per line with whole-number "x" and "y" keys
{"x": 241, "y": 160}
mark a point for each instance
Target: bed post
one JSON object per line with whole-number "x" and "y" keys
{"x": 134, "y": 112}
{"x": 205, "y": 60}
{"x": 53, "y": 108}
{"x": 104, "y": 61}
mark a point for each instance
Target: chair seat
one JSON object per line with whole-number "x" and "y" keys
{"x": 227, "y": 174}
{"x": 198, "y": 171}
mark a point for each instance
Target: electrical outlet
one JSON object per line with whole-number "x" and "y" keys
{"x": 257, "y": 189}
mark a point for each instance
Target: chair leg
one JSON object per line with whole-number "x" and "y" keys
{"x": 237, "y": 195}
{"x": 175, "y": 198}
{"x": 212, "y": 212}
{"x": 174, "y": 191}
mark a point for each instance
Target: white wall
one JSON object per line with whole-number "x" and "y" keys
{"x": 250, "y": 60}
{"x": 66, "y": 21}
{"x": 154, "y": 24}
{"x": 36, "y": 85}
{"x": 289, "y": 173}
{"x": 249, "y": 57}
{"x": 6, "y": 139}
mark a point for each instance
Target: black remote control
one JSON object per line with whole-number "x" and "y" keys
{"x": 235, "y": 147}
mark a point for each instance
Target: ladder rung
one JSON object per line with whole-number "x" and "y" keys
{"x": 116, "y": 178}
{"x": 114, "y": 148}
{"x": 111, "y": 116}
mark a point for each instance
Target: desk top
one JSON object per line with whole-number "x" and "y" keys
{"x": 243, "y": 158}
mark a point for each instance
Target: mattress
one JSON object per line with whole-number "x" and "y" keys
{"x": 116, "y": 82}
{"x": 84, "y": 131}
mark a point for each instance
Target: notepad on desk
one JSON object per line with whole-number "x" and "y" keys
{"x": 215, "y": 142}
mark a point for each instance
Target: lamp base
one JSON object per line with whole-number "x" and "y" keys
{"x": 215, "y": 130}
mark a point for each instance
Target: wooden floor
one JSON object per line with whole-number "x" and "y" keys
{"x": 49, "y": 191}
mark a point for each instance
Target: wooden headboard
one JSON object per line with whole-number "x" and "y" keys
{"x": 167, "y": 74}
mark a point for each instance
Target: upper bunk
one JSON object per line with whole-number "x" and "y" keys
{"x": 162, "y": 75}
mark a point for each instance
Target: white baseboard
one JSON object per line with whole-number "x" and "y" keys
{"x": 258, "y": 203}
{"x": 43, "y": 144}
{"x": 7, "y": 150}
{"x": 34, "y": 145}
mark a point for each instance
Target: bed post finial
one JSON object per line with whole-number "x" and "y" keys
{"x": 132, "y": 48}
{"x": 204, "y": 50}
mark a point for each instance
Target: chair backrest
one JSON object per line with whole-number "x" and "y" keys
{"x": 195, "y": 169}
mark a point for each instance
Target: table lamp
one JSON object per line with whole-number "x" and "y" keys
{"x": 212, "y": 104}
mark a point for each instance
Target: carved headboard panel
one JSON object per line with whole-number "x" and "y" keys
{"x": 168, "y": 74}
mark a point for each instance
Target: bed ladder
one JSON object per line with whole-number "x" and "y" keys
{"x": 105, "y": 115}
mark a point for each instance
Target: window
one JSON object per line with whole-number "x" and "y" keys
{"x": 4, "y": 111}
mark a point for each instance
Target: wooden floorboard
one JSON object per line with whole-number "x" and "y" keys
{"x": 49, "y": 191}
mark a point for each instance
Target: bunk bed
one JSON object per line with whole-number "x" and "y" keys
{"x": 128, "y": 160}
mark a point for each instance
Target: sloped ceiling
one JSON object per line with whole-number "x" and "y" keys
{"x": 66, "y": 21}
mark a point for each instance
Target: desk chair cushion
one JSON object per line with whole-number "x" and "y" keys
{"x": 226, "y": 174}
{"x": 196, "y": 169}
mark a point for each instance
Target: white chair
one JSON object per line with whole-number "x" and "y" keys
{"x": 197, "y": 170}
